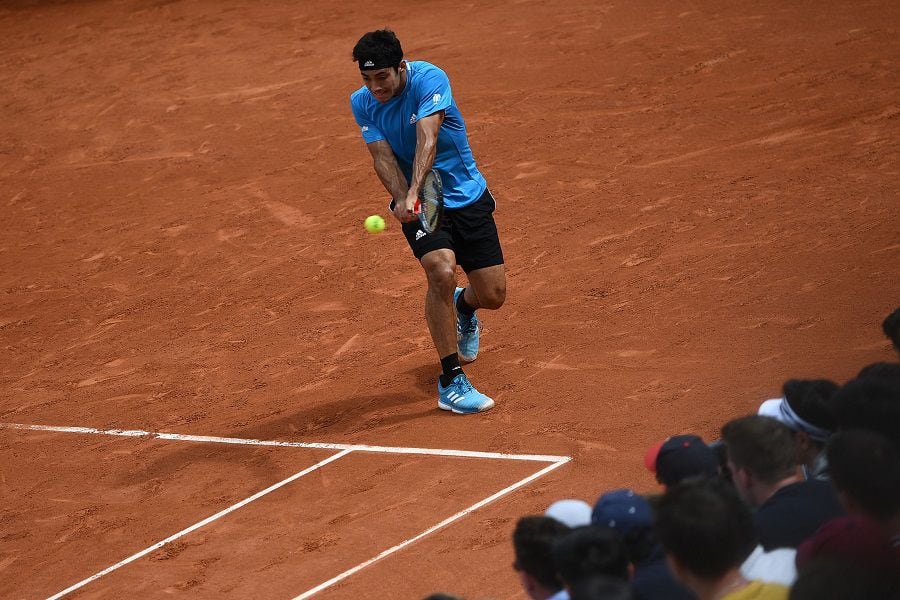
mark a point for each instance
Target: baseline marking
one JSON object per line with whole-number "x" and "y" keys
{"x": 196, "y": 526}
{"x": 319, "y": 445}
{"x": 344, "y": 449}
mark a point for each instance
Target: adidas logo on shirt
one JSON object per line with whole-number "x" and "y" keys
{"x": 413, "y": 118}
{"x": 420, "y": 234}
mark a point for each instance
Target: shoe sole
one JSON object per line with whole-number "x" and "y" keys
{"x": 464, "y": 412}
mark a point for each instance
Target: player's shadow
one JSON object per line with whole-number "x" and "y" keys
{"x": 345, "y": 420}
{"x": 336, "y": 419}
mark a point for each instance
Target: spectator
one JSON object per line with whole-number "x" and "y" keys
{"x": 573, "y": 513}
{"x": 774, "y": 566}
{"x": 707, "y": 533}
{"x": 871, "y": 403}
{"x": 880, "y": 370}
{"x": 838, "y": 580}
{"x": 807, "y": 409}
{"x": 761, "y": 458}
{"x": 629, "y": 515}
{"x": 601, "y": 588}
{"x": 867, "y": 478}
{"x": 891, "y": 328}
{"x": 533, "y": 540}
{"x": 588, "y": 551}
{"x": 679, "y": 457}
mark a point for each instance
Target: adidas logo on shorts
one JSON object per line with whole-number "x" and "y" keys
{"x": 420, "y": 234}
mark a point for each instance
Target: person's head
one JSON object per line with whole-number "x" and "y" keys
{"x": 871, "y": 403}
{"x": 706, "y": 530}
{"x": 571, "y": 512}
{"x": 891, "y": 328}
{"x": 588, "y": 551}
{"x": 599, "y": 587}
{"x": 533, "y": 540}
{"x": 865, "y": 470}
{"x": 880, "y": 370}
{"x": 380, "y": 59}
{"x": 761, "y": 454}
{"x": 628, "y": 514}
{"x": 679, "y": 457}
{"x": 807, "y": 408}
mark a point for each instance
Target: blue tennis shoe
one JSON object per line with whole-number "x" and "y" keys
{"x": 468, "y": 332}
{"x": 460, "y": 397}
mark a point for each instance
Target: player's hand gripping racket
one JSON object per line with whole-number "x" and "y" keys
{"x": 430, "y": 204}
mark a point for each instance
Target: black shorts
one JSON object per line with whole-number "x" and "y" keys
{"x": 469, "y": 231}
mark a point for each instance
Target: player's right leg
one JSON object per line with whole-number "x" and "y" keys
{"x": 455, "y": 392}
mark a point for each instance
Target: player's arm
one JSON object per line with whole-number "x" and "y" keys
{"x": 388, "y": 170}
{"x": 427, "y": 130}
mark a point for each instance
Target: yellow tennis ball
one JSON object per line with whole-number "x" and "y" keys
{"x": 374, "y": 224}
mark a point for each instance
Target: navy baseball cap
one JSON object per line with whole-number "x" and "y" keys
{"x": 622, "y": 511}
{"x": 679, "y": 457}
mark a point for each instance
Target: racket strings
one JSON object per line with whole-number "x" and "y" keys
{"x": 431, "y": 201}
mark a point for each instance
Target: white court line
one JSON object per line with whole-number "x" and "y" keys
{"x": 252, "y": 442}
{"x": 430, "y": 530}
{"x": 196, "y": 526}
{"x": 557, "y": 461}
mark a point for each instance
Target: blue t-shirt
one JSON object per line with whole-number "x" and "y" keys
{"x": 427, "y": 91}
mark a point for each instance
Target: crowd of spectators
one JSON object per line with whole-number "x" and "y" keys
{"x": 800, "y": 500}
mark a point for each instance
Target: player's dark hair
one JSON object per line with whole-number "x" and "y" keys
{"x": 866, "y": 466}
{"x": 533, "y": 540}
{"x": 762, "y": 446}
{"x": 706, "y": 526}
{"x": 891, "y": 328}
{"x": 871, "y": 403}
{"x": 812, "y": 400}
{"x": 381, "y": 47}
{"x": 588, "y": 551}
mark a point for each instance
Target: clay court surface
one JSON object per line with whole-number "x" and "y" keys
{"x": 697, "y": 200}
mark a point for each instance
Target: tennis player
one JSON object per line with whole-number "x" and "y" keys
{"x": 410, "y": 123}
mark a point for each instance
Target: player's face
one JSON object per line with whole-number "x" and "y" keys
{"x": 384, "y": 83}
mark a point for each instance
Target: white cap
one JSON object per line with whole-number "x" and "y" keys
{"x": 780, "y": 410}
{"x": 771, "y": 408}
{"x": 573, "y": 513}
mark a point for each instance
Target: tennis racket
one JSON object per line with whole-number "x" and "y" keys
{"x": 430, "y": 205}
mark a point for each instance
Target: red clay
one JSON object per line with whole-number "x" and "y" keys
{"x": 697, "y": 202}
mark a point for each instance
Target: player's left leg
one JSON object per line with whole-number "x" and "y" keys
{"x": 435, "y": 254}
{"x": 455, "y": 393}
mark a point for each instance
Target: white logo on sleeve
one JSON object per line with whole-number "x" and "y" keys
{"x": 365, "y": 128}
{"x": 413, "y": 118}
{"x": 436, "y": 98}
{"x": 420, "y": 234}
